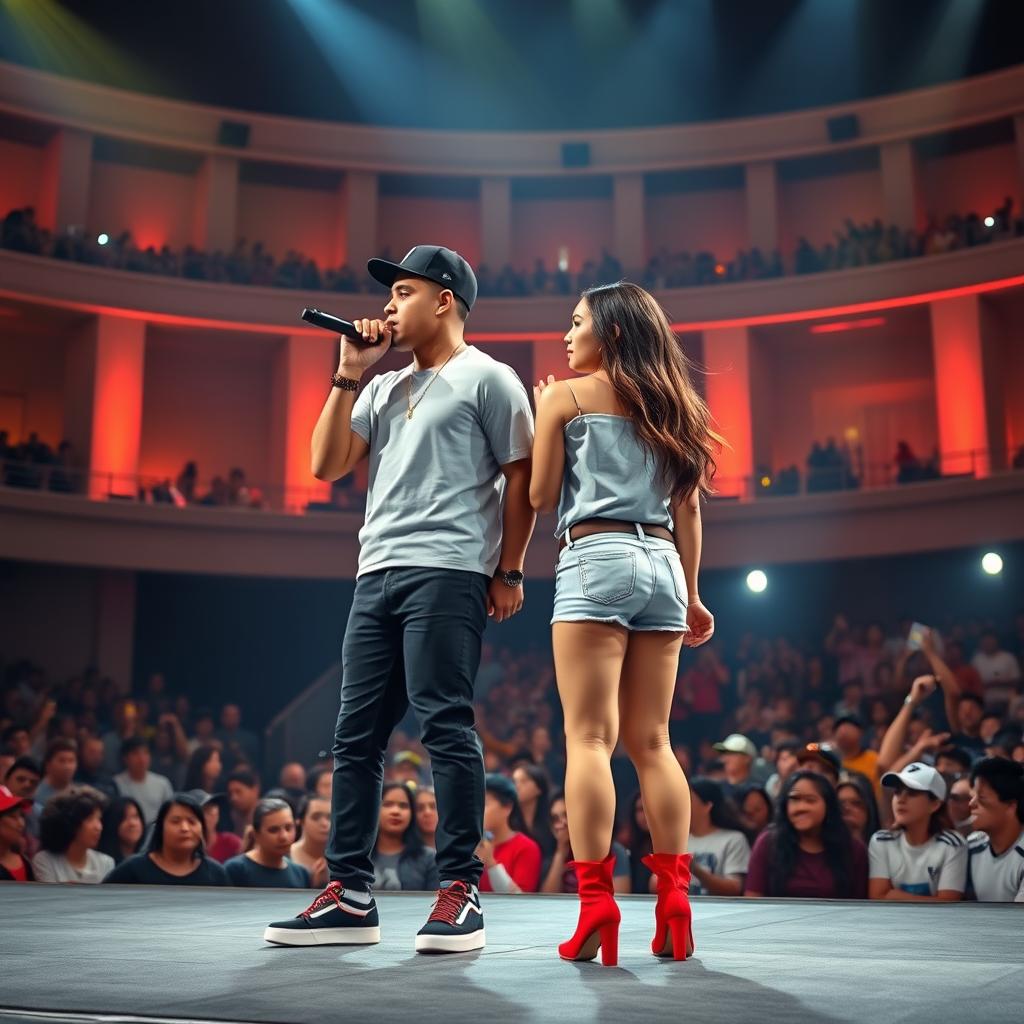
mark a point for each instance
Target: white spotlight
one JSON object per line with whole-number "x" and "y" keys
{"x": 103, "y": 238}
{"x": 992, "y": 563}
{"x": 990, "y": 222}
{"x": 757, "y": 581}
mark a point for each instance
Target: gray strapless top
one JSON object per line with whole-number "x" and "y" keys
{"x": 609, "y": 475}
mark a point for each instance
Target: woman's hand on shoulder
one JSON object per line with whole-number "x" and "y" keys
{"x": 541, "y": 386}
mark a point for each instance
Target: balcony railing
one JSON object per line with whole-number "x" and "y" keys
{"x": 853, "y": 473}
{"x": 248, "y": 498}
{"x": 160, "y": 491}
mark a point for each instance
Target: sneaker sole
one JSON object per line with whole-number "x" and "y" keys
{"x": 450, "y": 943}
{"x": 322, "y": 936}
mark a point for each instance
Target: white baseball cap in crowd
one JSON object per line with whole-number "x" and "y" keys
{"x": 736, "y": 744}
{"x": 918, "y": 776}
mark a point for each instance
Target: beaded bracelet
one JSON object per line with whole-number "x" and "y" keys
{"x": 345, "y": 383}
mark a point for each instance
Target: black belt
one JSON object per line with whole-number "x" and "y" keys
{"x": 589, "y": 527}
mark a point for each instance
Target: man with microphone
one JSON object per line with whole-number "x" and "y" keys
{"x": 448, "y": 520}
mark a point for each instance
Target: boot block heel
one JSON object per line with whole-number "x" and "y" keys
{"x": 610, "y": 945}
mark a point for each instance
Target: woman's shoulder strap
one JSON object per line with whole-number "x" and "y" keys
{"x": 579, "y": 411}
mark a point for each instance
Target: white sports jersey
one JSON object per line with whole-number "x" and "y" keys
{"x": 996, "y": 879}
{"x": 940, "y": 863}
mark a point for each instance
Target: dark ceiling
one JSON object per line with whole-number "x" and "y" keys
{"x": 515, "y": 64}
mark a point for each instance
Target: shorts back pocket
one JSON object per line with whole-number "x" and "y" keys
{"x": 675, "y": 570}
{"x": 610, "y": 577}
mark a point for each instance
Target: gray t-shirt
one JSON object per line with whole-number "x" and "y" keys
{"x": 55, "y": 867}
{"x": 150, "y": 793}
{"x": 722, "y": 852}
{"x": 995, "y": 879}
{"x": 412, "y": 871}
{"x": 385, "y": 871}
{"x": 435, "y": 484}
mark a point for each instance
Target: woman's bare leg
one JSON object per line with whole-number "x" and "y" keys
{"x": 645, "y": 699}
{"x": 588, "y": 664}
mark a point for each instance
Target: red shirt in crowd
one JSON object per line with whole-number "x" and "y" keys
{"x": 970, "y": 680}
{"x": 520, "y": 857}
{"x": 705, "y": 691}
{"x": 21, "y": 873}
{"x": 225, "y": 846}
{"x": 811, "y": 876}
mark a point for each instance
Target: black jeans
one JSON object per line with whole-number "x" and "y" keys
{"x": 413, "y": 637}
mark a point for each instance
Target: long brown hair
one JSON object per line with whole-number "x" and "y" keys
{"x": 650, "y": 374}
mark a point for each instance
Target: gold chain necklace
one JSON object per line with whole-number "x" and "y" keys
{"x": 408, "y": 383}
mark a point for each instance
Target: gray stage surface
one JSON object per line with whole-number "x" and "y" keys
{"x": 135, "y": 953}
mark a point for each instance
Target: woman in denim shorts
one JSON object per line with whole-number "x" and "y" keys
{"x": 625, "y": 453}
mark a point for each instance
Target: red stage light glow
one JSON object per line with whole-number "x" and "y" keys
{"x": 839, "y": 326}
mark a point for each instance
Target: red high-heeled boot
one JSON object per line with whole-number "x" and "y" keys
{"x": 599, "y": 914}
{"x": 673, "y": 933}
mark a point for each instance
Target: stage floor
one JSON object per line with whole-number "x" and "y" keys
{"x": 148, "y": 953}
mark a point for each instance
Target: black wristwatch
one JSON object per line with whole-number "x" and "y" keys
{"x": 510, "y": 577}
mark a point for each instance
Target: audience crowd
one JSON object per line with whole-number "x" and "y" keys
{"x": 854, "y": 245}
{"x": 836, "y": 466}
{"x": 829, "y": 467}
{"x": 882, "y": 764}
{"x": 33, "y": 464}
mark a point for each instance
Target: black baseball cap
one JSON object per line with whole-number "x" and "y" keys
{"x": 823, "y": 753}
{"x": 854, "y": 720}
{"x": 502, "y": 787}
{"x": 433, "y": 262}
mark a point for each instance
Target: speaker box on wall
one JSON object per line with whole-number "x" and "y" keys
{"x": 575, "y": 154}
{"x": 233, "y": 133}
{"x": 843, "y": 128}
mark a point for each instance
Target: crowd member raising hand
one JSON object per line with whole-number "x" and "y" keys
{"x": 894, "y": 754}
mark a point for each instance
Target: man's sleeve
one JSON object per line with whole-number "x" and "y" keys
{"x": 954, "y": 870}
{"x": 525, "y": 867}
{"x": 506, "y": 415}
{"x": 362, "y": 412}
{"x": 878, "y": 860}
{"x": 43, "y": 868}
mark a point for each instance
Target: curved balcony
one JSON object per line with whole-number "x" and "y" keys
{"x": 72, "y": 530}
{"x": 991, "y": 267}
{"x": 65, "y": 102}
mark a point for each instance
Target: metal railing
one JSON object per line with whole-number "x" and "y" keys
{"x": 853, "y": 474}
{"x": 303, "y": 729}
{"x": 159, "y": 491}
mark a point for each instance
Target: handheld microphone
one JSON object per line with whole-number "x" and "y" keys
{"x": 335, "y": 324}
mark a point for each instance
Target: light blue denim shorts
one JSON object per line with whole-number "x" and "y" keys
{"x": 636, "y": 582}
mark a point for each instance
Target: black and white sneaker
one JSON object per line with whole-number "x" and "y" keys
{"x": 456, "y": 922}
{"x": 334, "y": 918}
